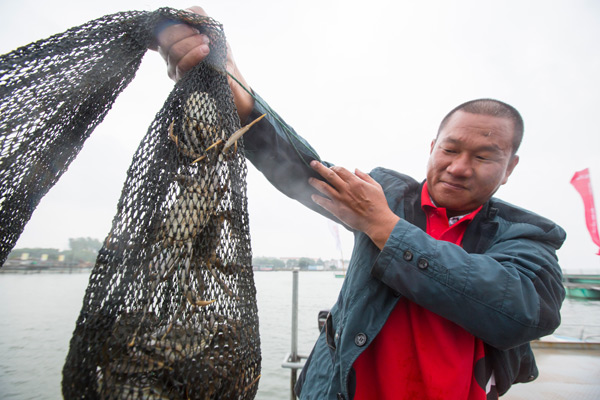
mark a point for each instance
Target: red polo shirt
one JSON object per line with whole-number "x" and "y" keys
{"x": 418, "y": 354}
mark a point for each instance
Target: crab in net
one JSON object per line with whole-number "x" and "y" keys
{"x": 199, "y": 217}
{"x": 174, "y": 331}
{"x": 164, "y": 359}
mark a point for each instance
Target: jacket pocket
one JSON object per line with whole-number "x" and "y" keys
{"x": 330, "y": 332}
{"x": 516, "y": 365}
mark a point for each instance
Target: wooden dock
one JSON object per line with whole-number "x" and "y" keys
{"x": 568, "y": 370}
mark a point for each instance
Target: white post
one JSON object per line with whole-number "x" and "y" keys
{"x": 294, "y": 354}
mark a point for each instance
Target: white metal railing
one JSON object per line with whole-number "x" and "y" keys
{"x": 293, "y": 360}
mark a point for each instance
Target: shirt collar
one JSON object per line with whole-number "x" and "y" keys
{"x": 428, "y": 205}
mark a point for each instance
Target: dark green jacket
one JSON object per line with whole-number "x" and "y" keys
{"x": 504, "y": 285}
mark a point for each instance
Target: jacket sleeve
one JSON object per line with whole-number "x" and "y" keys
{"x": 509, "y": 295}
{"x": 283, "y": 157}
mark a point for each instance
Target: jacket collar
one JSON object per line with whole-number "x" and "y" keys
{"x": 412, "y": 208}
{"x": 481, "y": 230}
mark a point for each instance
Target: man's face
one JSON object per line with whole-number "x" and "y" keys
{"x": 469, "y": 160}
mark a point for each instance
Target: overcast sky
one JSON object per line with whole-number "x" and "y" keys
{"x": 366, "y": 85}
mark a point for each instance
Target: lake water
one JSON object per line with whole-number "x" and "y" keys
{"x": 38, "y": 314}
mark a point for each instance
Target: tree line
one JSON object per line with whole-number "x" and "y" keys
{"x": 85, "y": 250}
{"x": 81, "y": 250}
{"x": 288, "y": 263}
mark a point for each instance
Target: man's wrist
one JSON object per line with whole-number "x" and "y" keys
{"x": 382, "y": 231}
{"x": 244, "y": 102}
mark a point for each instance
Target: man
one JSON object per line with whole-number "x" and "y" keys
{"x": 446, "y": 285}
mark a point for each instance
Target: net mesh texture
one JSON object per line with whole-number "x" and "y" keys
{"x": 170, "y": 308}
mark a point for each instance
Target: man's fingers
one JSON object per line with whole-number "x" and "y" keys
{"x": 322, "y": 170}
{"x": 364, "y": 176}
{"x": 197, "y": 10}
{"x": 323, "y": 202}
{"x": 189, "y": 60}
{"x": 332, "y": 175}
{"x": 173, "y": 34}
{"x": 323, "y": 187}
{"x": 182, "y": 46}
{"x": 188, "y": 44}
{"x": 356, "y": 199}
{"x": 343, "y": 173}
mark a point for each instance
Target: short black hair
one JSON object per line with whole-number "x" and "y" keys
{"x": 494, "y": 108}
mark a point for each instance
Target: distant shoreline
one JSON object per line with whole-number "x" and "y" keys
{"x": 62, "y": 269}
{"x": 36, "y": 269}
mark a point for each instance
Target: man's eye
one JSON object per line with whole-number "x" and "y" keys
{"x": 449, "y": 151}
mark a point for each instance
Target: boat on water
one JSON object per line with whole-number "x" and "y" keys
{"x": 578, "y": 291}
{"x": 582, "y": 286}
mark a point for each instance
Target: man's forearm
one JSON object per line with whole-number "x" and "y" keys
{"x": 496, "y": 298}
{"x": 282, "y": 156}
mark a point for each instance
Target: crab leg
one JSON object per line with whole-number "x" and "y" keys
{"x": 238, "y": 134}
{"x": 231, "y": 141}
{"x": 218, "y": 142}
{"x": 199, "y": 159}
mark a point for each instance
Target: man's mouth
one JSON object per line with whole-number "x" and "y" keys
{"x": 454, "y": 185}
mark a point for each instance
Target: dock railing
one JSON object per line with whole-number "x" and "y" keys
{"x": 293, "y": 360}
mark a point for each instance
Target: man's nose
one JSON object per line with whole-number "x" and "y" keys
{"x": 461, "y": 166}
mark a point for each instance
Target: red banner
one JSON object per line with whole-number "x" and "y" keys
{"x": 581, "y": 182}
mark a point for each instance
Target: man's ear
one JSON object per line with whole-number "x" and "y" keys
{"x": 511, "y": 166}
{"x": 432, "y": 146}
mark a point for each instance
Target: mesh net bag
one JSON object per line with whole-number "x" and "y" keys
{"x": 170, "y": 308}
